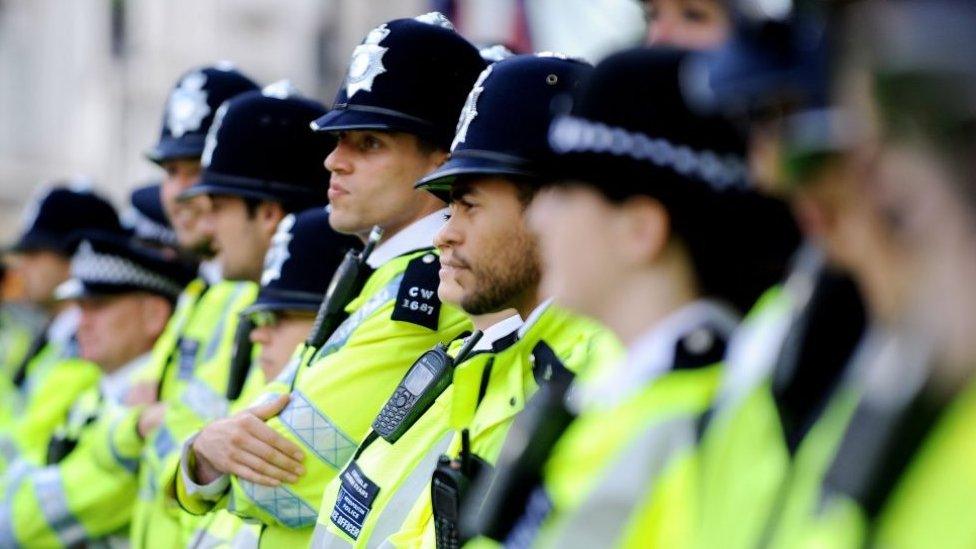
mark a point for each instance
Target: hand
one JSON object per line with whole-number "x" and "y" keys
{"x": 151, "y": 418}
{"x": 141, "y": 393}
{"x": 245, "y": 446}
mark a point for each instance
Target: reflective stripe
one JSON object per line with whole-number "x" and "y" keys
{"x": 400, "y": 504}
{"x": 316, "y": 430}
{"x": 204, "y": 401}
{"x": 164, "y": 442}
{"x": 349, "y": 325}
{"x": 281, "y": 503}
{"x": 7, "y": 537}
{"x": 205, "y": 540}
{"x": 323, "y": 538}
{"x": 14, "y": 475}
{"x": 215, "y": 338}
{"x": 396, "y": 509}
{"x": 54, "y": 505}
{"x": 245, "y": 538}
{"x": 8, "y": 450}
{"x": 129, "y": 464}
{"x": 606, "y": 510}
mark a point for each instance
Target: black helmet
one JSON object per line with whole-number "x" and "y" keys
{"x": 408, "y": 75}
{"x": 190, "y": 110}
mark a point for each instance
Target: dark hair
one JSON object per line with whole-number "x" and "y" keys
{"x": 289, "y": 206}
{"x": 426, "y": 146}
{"x": 740, "y": 242}
{"x": 525, "y": 187}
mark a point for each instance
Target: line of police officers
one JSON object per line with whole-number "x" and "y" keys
{"x": 547, "y": 304}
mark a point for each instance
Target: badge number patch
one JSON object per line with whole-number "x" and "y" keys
{"x": 417, "y": 300}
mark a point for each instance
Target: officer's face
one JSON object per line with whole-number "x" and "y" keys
{"x": 278, "y": 340}
{"x": 692, "y": 24}
{"x": 242, "y": 237}
{"x": 117, "y": 329}
{"x": 41, "y": 272}
{"x": 185, "y": 215}
{"x": 372, "y": 180}
{"x": 575, "y": 225}
{"x": 489, "y": 260}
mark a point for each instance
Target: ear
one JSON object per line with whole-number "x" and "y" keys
{"x": 643, "y": 229}
{"x": 269, "y": 214}
{"x": 156, "y": 311}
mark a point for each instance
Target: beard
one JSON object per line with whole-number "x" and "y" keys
{"x": 511, "y": 273}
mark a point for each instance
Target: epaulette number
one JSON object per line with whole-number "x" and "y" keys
{"x": 417, "y": 300}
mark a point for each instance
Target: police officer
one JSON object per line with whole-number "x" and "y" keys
{"x": 126, "y": 293}
{"x": 899, "y": 477}
{"x": 190, "y": 110}
{"x": 394, "y": 118}
{"x": 52, "y": 375}
{"x": 197, "y": 331}
{"x": 304, "y": 254}
{"x": 261, "y": 163}
{"x": 487, "y": 267}
{"x": 771, "y": 433}
{"x": 659, "y": 233}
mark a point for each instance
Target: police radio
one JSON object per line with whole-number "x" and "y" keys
{"x": 346, "y": 283}
{"x": 502, "y": 497}
{"x": 449, "y": 490}
{"x": 419, "y": 388}
{"x": 240, "y": 360}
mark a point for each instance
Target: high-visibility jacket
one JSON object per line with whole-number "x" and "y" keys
{"x": 18, "y": 328}
{"x": 219, "y": 527}
{"x": 394, "y": 475}
{"x": 74, "y": 497}
{"x": 927, "y": 503}
{"x": 511, "y": 381}
{"x": 190, "y": 363}
{"x": 624, "y": 472}
{"x": 394, "y": 319}
{"x": 55, "y": 379}
{"x": 767, "y": 439}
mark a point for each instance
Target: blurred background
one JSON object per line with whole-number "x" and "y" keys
{"x": 83, "y": 83}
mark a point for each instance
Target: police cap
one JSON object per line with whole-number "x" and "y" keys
{"x": 305, "y": 251}
{"x": 505, "y": 121}
{"x": 56, "y": 218}
{"x": 146, "y": 219}
{"x": 260, "y": 147}
{"x": 630, "y": 131}
{"x": 191, "y": 107}
{"x": 408, "y": 75}
{"x": 111, "y": 263}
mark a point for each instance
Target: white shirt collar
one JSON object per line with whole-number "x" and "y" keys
{"x": 497, "y": 331}
{"x": 534, "y": 317}
{"x": 64, "y": 325}
{"x": 415, "y": 236}
{"x": 210, "y": 271}
{"x": 114, "y": 386}
{"x": 652, "y": 354}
